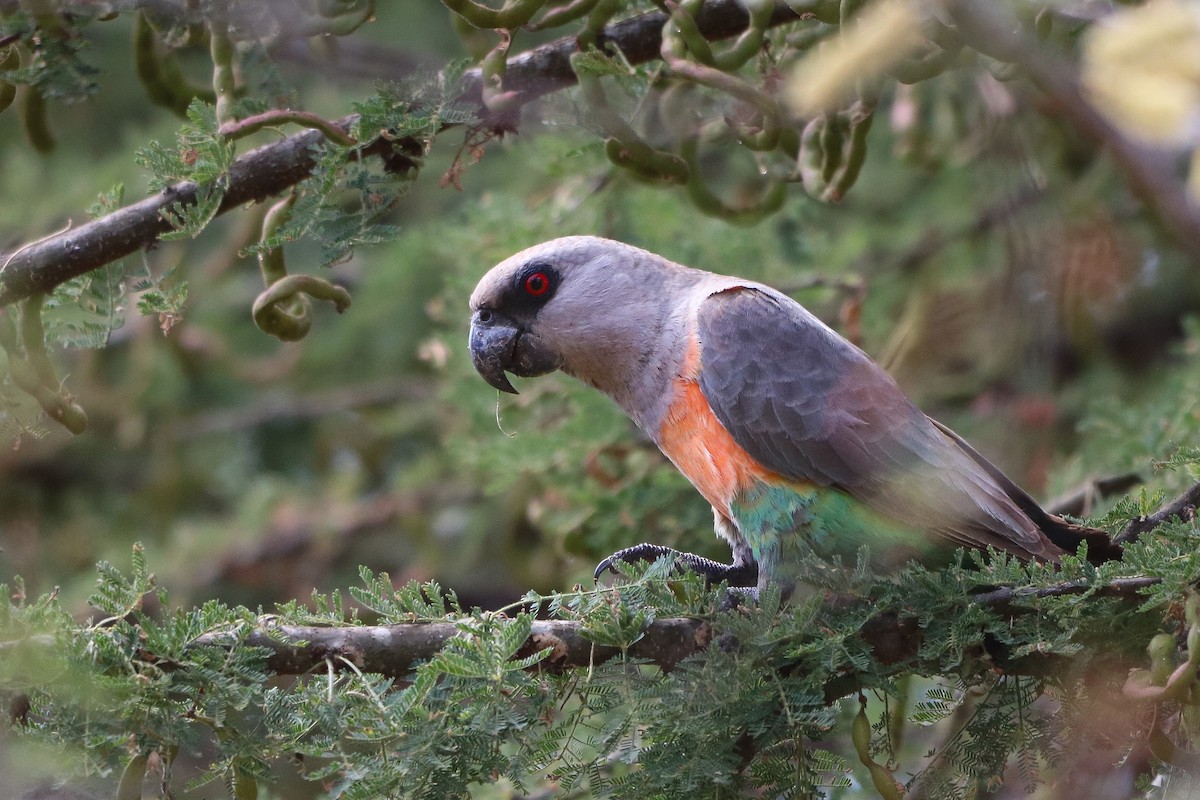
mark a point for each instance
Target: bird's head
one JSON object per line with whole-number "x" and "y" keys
{"x": 588, "y": 306}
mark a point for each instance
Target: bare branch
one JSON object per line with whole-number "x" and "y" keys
{"x": 394, "y": 650}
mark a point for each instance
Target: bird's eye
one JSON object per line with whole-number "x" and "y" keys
{"x": 537, "y": 284}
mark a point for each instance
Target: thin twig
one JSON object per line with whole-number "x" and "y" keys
{"x": 1182, "y": 508}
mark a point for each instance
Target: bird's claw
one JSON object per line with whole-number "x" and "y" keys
{"x": 713, "y": 571}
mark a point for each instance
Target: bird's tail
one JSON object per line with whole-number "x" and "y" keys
{"x": 1067, "y": 535}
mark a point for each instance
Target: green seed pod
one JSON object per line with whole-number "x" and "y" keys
{"x": 562, "y": 15}
{"x": 654, "y": 166}
{"x": 623, "y": 146}
{"x": 597, "y": 18}
{"x": 160, "y": 74}
{"x": 826, "y": 11}
{"x": 854, "y": 154}
{"x": 860, "y": 734}
{"x": 10, "y": 59}
{"x": 245, "y": 787}
{"x": 474, "y": 40}
{"x": 494, "y": 65}
{"x": 224, "y": 85}
{"x": 130, "y": 787}
{"x": 35, "y": 121}
{"x": 1162, "y": 654}
{"x": 930, "y": 65}
{"x": 770, "y": 201}
{"x": 832, "y": 136}
{"x": 812, "y": 156}
{"x": 284, "y": 310}
{"x": 31, "y": 370}
{"x": 1043, "y": 23}
{"x": 513, "y": 14}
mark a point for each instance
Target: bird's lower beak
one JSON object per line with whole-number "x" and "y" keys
{"x": 493, "y": 343}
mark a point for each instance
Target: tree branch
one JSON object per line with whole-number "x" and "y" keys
{"x": 275, "y": 167}
{"x": 394, "y": 650}
{"x": 1182, "y": 507}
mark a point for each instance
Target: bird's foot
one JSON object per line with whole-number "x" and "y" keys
{"x": 739, "y": 575}
{"x": 738, "y": 596}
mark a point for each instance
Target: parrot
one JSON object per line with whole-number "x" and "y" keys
{"x": 801, "y": 443}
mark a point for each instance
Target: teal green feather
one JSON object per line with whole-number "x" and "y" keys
{"x": 787, "y": 524}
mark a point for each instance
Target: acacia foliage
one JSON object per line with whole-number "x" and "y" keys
{"x": 753, "y": 710}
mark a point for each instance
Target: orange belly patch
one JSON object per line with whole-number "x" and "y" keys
{"x": 702, "y": 449}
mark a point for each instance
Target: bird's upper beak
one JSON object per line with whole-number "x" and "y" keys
{"x": 493, "y": 346}
{"x": 501, "y": 344}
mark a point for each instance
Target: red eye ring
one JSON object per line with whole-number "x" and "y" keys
{"x": 537, "y": 284}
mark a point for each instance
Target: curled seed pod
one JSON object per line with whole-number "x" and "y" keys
{"x": 675, "y": 54}
{"x": 832, "y": 137}
{"x": 45, "y": 14}
{"x": 1161, "y": 746}
{"x": 33, "y": 339}
{"x": 1162, "y": 658}
{"x": 1043, "y": 23}
{"x": 160, "y": 74}
{"x": 1191, "y": 609}
{"x": 284, "y": 310}
{"x": 271, "y": 263}
{"x": 1164, "y": 681}
{"x": 854, "y": 153}
{"x": 343, "y": 17}
{"x": 494, "y": 65}
{"x": 654, "y": 166}
{"x": 30, "y": 368}
{"x": 826, "y": 11}
{"x": 513, "y": 14}
{"x": 474, "y": 40}
{"x": 770, "y": 201}
{"x": 245, "y": 787}
{"x": 623, "y": 146}
{"x": 943, "y": 47}
{"x": 744, "y": 47}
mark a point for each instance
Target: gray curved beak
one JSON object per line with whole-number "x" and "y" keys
{"x": 493, "y": 345}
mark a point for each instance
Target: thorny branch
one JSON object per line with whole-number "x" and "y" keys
{"x": 273, "y": 168}
{"x": 393, "y": 650}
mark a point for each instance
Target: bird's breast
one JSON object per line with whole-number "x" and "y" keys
{"x": 701, "y": 448}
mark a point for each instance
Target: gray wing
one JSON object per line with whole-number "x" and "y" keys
{"x": 809, "y": 405}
